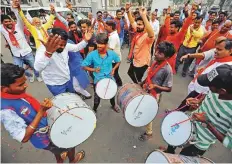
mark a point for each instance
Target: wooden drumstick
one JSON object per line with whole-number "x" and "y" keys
{"x": 107, "y": 87}
{"x": 68, "y": 112}
{"x": 181, "y": 122}
{"x": 138, "y": 104}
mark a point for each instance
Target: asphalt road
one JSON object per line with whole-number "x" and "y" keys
{"x": 114, "y": 140}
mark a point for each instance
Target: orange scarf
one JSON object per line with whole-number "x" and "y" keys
{"x": 31, "y": 100}
{"x": 220, "y": 60}
{"x": 100, "y": 27}
{"x": 118, "y": 25}
{"x": 133, "y": 42}
{"x": 152, "y": 72}
{"x": 11, "y": 36}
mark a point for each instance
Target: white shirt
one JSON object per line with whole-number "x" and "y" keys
{"x": 55, "y": 70}
{"x": 24, "y": 48}
{"x": 155, "y": 26}
{"x": 114, "y": 43}
{"x": 194, "y": 86}
{"x": 14, "y": 124}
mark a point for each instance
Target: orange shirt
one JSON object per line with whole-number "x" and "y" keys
{"x": 208, "y": 25}
{"x": 178, "y": 38}
{"x": 142, "y": 51}
{"x": 210, "y": 41}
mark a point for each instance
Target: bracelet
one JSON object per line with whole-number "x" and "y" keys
{"x": 48, "y": 52}
{"x": 32, "y": 127}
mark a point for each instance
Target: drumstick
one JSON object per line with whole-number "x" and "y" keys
{"x": 177, "y": 109}
{"x": 138, "y": 104}
{"x": 185, "y": 120}
{"x": 68, "y": 112}
{"x": 107, "y": 87}
{"x": 181, "y": 122}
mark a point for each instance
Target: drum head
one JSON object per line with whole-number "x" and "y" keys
{"x": 69, "y": 131}
{"x": 176, "y": 135}
{"x": 157, "y": 157}
{"x": 146, "y": 111}
{"x": 106, "y": 88}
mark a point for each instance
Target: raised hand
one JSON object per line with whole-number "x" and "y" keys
{"x": 52, "y": 44}
{"x": 46, "y": 104}
{"x": 16, "y": 4}
{"x": 127, "y": 6}
{"x": 143, "y": 11}
{"x": 52, "y": 8}
{"x": 88, "y": 35}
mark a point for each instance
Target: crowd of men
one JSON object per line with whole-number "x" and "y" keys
{"x": 70, "y": 53}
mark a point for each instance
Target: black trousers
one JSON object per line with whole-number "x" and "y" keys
{"x": 97, "y": 100}
{"x": 187, "y": 151}
{"x": 136, "y": 73}
{"x": 183, "y": 51}
{"x": 183, "y": 103}
{"x": 117, "y": 77}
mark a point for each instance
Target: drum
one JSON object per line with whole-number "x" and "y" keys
{"x": 158, "y": 156}
{"x": 139, "y": 107}
{"x": 180, "y": 134}
{"x": 71, "y": 120}
{"x": 106, "y": 88}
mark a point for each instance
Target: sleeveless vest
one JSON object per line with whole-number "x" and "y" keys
{"x": 27, "y": 113}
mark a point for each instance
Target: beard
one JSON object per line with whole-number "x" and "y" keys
{"x": 59, "y": 50}
{"x": 140, "y": 30}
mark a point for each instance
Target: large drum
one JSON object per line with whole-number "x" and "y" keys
{"x": 161, "y": 157}
{"x": 139, "y": 107}
{"x": 71, "y": 120}
{"x": 106, "y": 88}
{"x": 180, "y": 134}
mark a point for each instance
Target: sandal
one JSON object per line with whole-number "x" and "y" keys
{"x": 63, "y": 155}
{"x": 79, "y": 156}
{"x": 116, "y": 109}
{"x": 145, "y": 137}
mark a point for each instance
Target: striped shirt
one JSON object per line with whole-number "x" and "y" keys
{"x": 219, "y": 112}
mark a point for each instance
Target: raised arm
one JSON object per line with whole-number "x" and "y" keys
{"x": 26, "y": 22}
{"x": 51, "y": 19}
{"x": 128, "y": 12}
{"x": 143, "y": 13}
{"x": 19, "y": 19}
{"x": 20, "y": 15}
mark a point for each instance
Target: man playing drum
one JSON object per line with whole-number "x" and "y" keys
{"x": 159, "y": 78}
{"x": 101, "y": 60}
{"x": 24, "y": 117}
{"x": 214, "y": 114}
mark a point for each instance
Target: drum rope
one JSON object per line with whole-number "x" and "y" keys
{"x": 177, "y": 109}
{"x": 139, "y": 104}
{"x": 67, "y": 112}
{"x": 107, "y": 87}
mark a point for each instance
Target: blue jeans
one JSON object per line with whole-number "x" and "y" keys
{"x": 121, "y": 41}
{"x": 29, "y": 59}
{"x": 58, "y": 89}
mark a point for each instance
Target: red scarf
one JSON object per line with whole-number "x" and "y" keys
{"x": 133, "y": 42}
{"x": 100, "y": 27}
{"x": 31, "y": 100}
{"x": 172, "y": 62}
{"x": 152, "y": 72}
{"x": 118, "y": 25}
{"x": 220, "y": 60}
{"x": 11, "y": 36}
